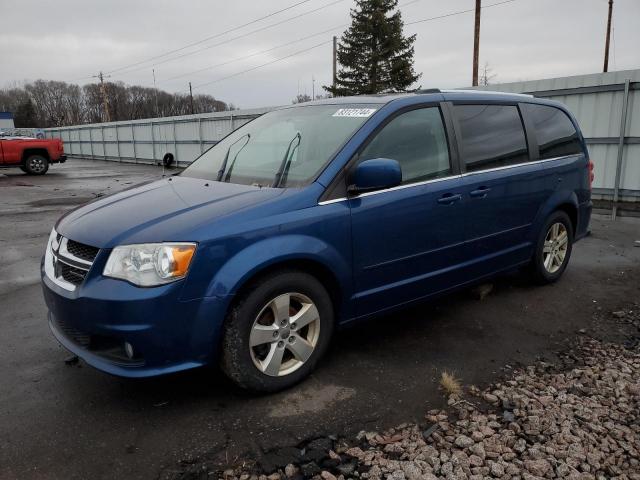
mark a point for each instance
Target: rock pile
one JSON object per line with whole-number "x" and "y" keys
{"x": 578, "y": 420}
{"x": 580, "y": 424}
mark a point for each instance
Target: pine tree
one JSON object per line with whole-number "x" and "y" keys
{"x": 25, "y": 115}
{"x": 374, "y": 55}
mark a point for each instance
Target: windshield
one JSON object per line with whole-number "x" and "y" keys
{"x": 283, "y": 148}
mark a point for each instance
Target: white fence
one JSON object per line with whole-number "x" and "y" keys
{"x": 147, "y": 141}
{"x": 606, "y": 105}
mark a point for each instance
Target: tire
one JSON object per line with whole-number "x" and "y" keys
{"x": 552, "y": 254}
{"x": 167, "y": 160}
{"x": 254, "y": 319}
{"x": 36, "y": 165}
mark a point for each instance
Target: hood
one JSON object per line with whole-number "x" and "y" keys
{"x": 164, "y": 210}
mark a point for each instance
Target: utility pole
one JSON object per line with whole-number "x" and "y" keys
{"x": 105, "y": 100}
{"x": 335, "y": 60}
{"x": 476, "y": 43}
{"x": 153, "y": 70}
{"x": 608, "y": 39}
{"x": 191, "y": 98}
{"x": 313, "y": 88}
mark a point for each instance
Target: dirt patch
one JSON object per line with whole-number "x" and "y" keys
{"x": 312, "y": 399}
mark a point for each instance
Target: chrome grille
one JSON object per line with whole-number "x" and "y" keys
{"x": 80, "y": 250}
{"x": 67, "y": 262}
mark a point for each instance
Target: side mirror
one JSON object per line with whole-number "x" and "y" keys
{"x": 375, "y": 174}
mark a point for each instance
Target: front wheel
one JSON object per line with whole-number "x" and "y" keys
{"x": 553, "y": 249}
{"x": 277, "y": 332}
{"x": 36, "y": 165}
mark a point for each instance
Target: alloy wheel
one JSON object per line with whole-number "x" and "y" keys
{"x": 555, "y": 247}
{"x": 284, "y": 334}
{"x": 37, "y": 165}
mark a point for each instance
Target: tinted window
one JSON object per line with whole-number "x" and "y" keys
{"x": 556, "y": 134}
{"x": 417, "y": 140}
{"x": 492, "y": 136}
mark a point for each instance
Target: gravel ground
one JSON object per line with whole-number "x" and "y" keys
{"x": 578, "y": 419}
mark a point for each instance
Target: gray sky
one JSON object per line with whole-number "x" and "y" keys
{"x": 524, "y": 39}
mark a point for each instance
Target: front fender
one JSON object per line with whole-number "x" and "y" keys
{"x": 246, "y": 263}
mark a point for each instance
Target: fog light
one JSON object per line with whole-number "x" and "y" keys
{"x": 128, "y": 349}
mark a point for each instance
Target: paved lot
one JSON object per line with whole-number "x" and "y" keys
{"x": 59, "y": 421}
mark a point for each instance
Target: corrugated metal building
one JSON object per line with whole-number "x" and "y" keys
{"x": 146, "y": 141}
{"x": 6, "y": 120}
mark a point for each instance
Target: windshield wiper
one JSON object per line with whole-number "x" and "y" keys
{"x": 226, "y": 158}
{"x": 283, "y": 170}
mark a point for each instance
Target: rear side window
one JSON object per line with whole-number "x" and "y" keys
{"x": 417, "y": 141}
{"x": 556, "y": 134}
{"x": 492, "y": 136}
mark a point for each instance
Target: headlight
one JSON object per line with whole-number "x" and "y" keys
{"x": 150, "y": 264}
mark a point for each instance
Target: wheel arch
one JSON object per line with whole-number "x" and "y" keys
{"x": 566, "y": 201}
{"x": 298, "y": 252}
{"x": 572, "y": 211}
{"x": 311, "y": 266}
{"x": 27, "y": 152}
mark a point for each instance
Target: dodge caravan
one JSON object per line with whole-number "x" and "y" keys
{"x": 310, "y": 217}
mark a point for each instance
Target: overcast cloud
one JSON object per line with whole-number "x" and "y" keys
{"x": 525, "y": 39}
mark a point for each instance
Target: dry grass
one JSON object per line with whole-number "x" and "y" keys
{"x": 450, "y": 384}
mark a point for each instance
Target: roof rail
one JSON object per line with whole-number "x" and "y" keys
{"x": 428, "y": 90}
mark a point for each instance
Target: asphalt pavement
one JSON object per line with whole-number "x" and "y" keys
{"x": 71, "y": 421}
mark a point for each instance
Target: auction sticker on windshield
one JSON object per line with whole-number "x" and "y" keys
{"x": 354, "y": 112}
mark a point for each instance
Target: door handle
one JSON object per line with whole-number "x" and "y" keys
{"x": 449, "y": 198}
{"x": 480, "y": 192}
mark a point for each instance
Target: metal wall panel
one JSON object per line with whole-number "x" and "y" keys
{"x": 147, "y": 141}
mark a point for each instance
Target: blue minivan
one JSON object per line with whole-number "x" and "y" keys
{"x": 310, "y": 217}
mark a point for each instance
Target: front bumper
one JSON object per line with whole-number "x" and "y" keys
{"x": 166, "y": 333}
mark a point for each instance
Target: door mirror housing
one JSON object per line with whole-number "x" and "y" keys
{"x": 375, "y": 174}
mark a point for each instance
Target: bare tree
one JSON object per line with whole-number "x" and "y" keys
{"x": 301, "y": 98}
{"x": 487, "y": 75}
{"x": 53, "y": 104}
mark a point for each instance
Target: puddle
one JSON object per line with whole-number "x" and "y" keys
{"x": 312, "y": 399}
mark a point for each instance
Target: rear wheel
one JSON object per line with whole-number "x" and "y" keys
{"x": 36, "y": 165}
{"x": 553, "y": 249}
{"x": 275, "y": 335}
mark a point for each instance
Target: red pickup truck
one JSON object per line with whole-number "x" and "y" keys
{"x": 31, "y": 155}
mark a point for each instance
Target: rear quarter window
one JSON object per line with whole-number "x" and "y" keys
{"x": 492, "y": 136}
{"x": 556, "y": 134}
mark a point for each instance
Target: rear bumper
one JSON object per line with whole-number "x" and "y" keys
{"x": 167, "y": 334}
{"x": 584, "y": 218}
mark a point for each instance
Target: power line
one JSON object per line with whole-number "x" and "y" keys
{"x": 266, "y": 27}
{"x": 210, "y": 37}
{"x": 323, "y": 43}
{"x": 269, "y": 49}
{"x": 182, "y": 75}
{"x": 262, "y": 65}
{"x": 457, "y": 13}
